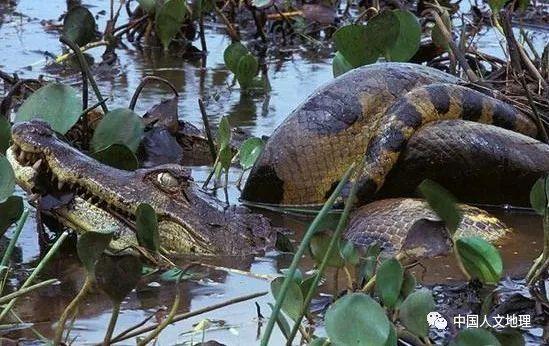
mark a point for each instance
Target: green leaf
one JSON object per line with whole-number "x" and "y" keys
{"x": 318, "y": 247}
{"x": 389, "y": 281}
{"x": 7, "y": 179}
{"x": 282, "y": 323}
{"x": 306, "y": 285}
{"x": 319, "y": 342}
{"x": 408, "y": 285}
{"x": 475, "y": 337}
{"x": 79, "y": 25}
{"x": 510, "y": 337}
{"x": 119, "y": 126}
{"x": 56, "y": 104}
{"x": 392, "y": 339}
{"x": 90, "y": 247}
{"x": 223, "y": 133}
{"x": 382, "y": 32}
{"x": 480, "y": 259}
{"x": 147, "y": 227}
{"x": 442, "y": 202}
{"x": 293, "y": 301}
{"x": 250, "y": 151}
{"x": 11, "y": 210}
{"x": 496, "y": 5}
{"x": 414, "y": 309}
{"x": 118, "y": 156}
{"x": 117, "y": 275}
{"x": 340, "y": 65}
{"x": 349, "y": 253}
{"x": 351, "y": 42}
{"x": 436, "y": 35}
{"x": 174, "y": 274}
{"x": 246, "y": 70}
{"x": 232, "y": 55}
{"x": 148, "y": 6}
{"x": 357, "y": 319}
{"x": 539, "y": 196}
{"x": 169, "y": 19}
{"x": 408, "y": 39}
{"x": 298, "y": 275}
{"x": 5, "y": 135}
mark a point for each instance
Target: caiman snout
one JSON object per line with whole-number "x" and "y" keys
{"x": 31, "y": 134}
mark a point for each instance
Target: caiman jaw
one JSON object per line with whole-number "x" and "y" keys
{"x": 38, "y": 169}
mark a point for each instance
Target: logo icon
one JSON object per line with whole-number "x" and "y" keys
{"x": 434, "y": 319}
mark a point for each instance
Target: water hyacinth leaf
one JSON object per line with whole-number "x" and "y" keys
{"x": 306, "y": 285}
{"x": 117, "y": 275}
{"x": 539, "y": 196}
{"x": 350, "y": 41}
{"x": 232, "y": 55}
{"x": 496, "y": 5}
{"x": 408, "y": 284}
{"x": 357, "y": 319}
{"x": 318, "y": 247}
{"x": 11, "y": 210}
{"x": 298, "y": 275}
{"x": 382, "y": 32}
{"x": 5, "y": 135}
{"x": 55, "y": 103}
{"x": 510, "y": 337}
{"x": 118, "y": 156}
{"x": 147, "y": 227}
{"x": 7, "y": 179}
{"x": 437, "y": 36}
{"x": 389, "y": 281}
{"x": 247, "y": 70}
{"x": 225, "y": 159}
{"x": 169, "y": 19}
{"x": 79, "y": 25}
{"x": 250, "y": 151}
{"x": 340, "y": 65}
{"x": 90, "y": 247}
{"x": 408, "y": 39}
{"x": 223, "y": 133}
{"x": 480, "y": 259}
{"x": 442, "y": 202}
{"x": 282, "y": 323}
{"x": 319, "y": 342}
{"x": 293, "y": 301}
{"x": 392, "y": 339}
{"x": 349, "y": 253}
{"x": 119, "y": 126}
{"x": 175, "y": 274}
{"x": 414, "y": 309}
{"x": 475, "y": 337}
{"x": 148, "y": 6}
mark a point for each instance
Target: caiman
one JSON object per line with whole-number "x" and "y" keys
{"x": 105, "y": 198}
{"x": 370, "y": 114}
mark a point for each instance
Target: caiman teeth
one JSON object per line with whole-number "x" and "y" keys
{"x": 37, "y": 165}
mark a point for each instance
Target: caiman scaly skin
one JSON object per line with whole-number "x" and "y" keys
{"x": 190, "y": 221}
{"x": 368, "y": 113}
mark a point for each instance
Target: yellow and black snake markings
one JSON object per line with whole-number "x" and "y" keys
{"x": 371, "y": 113}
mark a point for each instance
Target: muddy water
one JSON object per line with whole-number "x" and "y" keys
{"x": 293, "y": 74}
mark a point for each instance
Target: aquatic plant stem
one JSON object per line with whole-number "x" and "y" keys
{"x": 207, "y": 129}
{"x": 184, "y": 316}
{"x": 69, "y": 309}
{"x": 142, "y": 84}
{"x": 36, "y": 271}
{"x": 168, "y": 318}
{"x": 324, "y": 264}
{"x": 13, "y": 240}
{"x": 299, "y": 253}
{"x": 112, "y": 324}
{"x": 85, "y": 69}
{"x": 24, "y": 291}
{"x": 61, "y": 58}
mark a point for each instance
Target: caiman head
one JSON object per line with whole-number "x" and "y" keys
{"x": 189, "y": 220}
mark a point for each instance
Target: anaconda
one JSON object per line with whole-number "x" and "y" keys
{"x": 368, "y": 113}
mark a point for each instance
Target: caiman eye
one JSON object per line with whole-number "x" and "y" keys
{"x": 167, "y": 181}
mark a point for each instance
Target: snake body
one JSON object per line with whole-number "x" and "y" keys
{"x": 370, "y": 112}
